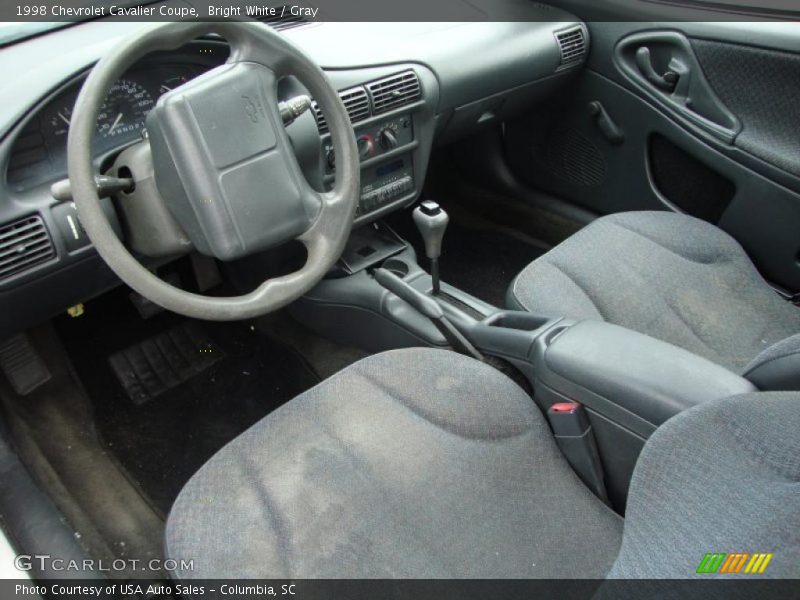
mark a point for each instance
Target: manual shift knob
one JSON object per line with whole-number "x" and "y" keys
{"x": 431, "y": 220}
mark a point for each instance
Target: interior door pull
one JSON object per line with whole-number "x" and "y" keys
{"x": 665, "y": 82}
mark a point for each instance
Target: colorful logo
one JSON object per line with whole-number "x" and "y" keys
{"x": 734, "y": 563}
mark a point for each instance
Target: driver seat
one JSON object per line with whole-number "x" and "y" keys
{"x": 427, "y": 464}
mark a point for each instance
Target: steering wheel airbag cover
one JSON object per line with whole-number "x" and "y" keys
{"x": 226, "y": 169}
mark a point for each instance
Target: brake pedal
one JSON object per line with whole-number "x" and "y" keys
{"x": 22, "y": 365}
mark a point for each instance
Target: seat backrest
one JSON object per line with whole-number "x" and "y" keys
{"x": 720, "y": 478}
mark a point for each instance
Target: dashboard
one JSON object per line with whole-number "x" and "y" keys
{"x": 407, "y": 88}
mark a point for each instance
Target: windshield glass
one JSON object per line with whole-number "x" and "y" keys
{"x": 12, "y": 32}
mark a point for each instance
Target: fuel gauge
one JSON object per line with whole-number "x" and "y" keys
{"x": 58, "y": 121}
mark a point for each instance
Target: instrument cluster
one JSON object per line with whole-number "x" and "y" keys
{"x": 39, "y": 154}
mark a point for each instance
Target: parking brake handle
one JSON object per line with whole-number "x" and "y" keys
{"x": 428, "y": 307}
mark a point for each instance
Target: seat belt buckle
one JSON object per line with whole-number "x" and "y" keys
{"x": 573, "y": 434}
{"x": 568, "y": 419}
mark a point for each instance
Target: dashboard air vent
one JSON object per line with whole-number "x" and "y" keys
{"x": 572, "y": 43}
{"x": 394, "y": 91}
{"x": 24, "y": 244}
{"x": 356, "y": 102}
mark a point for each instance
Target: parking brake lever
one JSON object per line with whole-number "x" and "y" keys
{"x": 429, "y": 308}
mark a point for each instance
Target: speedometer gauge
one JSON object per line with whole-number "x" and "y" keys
{"x": 124, "y": 110}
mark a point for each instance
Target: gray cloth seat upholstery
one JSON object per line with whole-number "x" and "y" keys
{"x": 424, "y": 463}
{"x": 723, "y": 476}
{"x": 675, "y": 278}
{"x": 411, "y": 463}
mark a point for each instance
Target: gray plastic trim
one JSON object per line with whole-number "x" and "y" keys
{"x": 631, "y": 378}
{"x": 693, "y": 98}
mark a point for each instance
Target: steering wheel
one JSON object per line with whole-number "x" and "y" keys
{"x": 230, "y": 177}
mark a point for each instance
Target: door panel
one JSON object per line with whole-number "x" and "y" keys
{"x": 720, "y": 140}
{"x": 761, "y": 87}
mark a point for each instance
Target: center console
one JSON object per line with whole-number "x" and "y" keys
{"x": 387, "y": 172}
{"x": 393, "y": 116}
{"x": 385, "y": 184}
{"x": 629, "y": 384}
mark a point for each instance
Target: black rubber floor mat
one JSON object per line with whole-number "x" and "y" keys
{"x": 162, "y": 442}
{"x": 156, "y": 365}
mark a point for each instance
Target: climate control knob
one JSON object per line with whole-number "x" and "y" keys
{"x": 388, "y": 139}
{"x": 365, "y": 146}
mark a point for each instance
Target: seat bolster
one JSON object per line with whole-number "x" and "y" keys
{"x": 545, "y": 289}
{"x": 720, "y": 477}
{"x": 778, "y": 367}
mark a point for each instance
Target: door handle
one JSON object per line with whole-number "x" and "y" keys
{"x": 683, "y": 89}
{"x": 665, "y": 82}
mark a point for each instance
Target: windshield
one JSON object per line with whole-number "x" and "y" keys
{"x": 12, "y": 32}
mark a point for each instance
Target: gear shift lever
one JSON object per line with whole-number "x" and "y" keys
{"x": 432, "y": 220}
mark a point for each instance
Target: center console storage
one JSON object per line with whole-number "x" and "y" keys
{"x": 629, "y": 384}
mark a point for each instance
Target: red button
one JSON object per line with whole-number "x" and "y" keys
{"x": 564, "y": 407}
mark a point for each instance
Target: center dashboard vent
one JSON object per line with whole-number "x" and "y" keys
{"x": 572, "y": 44}
{"x": 394, "y": 91}
{"x": 24, "y": 244}
{"x": 356, "y": 102}
{"x": 375, "y": 98}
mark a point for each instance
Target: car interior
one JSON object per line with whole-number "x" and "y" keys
{"x": 496, "y": 299}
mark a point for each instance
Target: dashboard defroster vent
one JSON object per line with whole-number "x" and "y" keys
{"x": 572, "y": 43}
{"x": 24, "y": 244}
{"x": 283, "y": 19}
{"x": 356, "y": 102}
{"x": 394, "y": 91}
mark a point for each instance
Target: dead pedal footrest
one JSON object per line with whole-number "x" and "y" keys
{"x": 22, "y": 364}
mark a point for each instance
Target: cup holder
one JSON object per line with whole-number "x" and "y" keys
{"x": 397, "y": 267}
